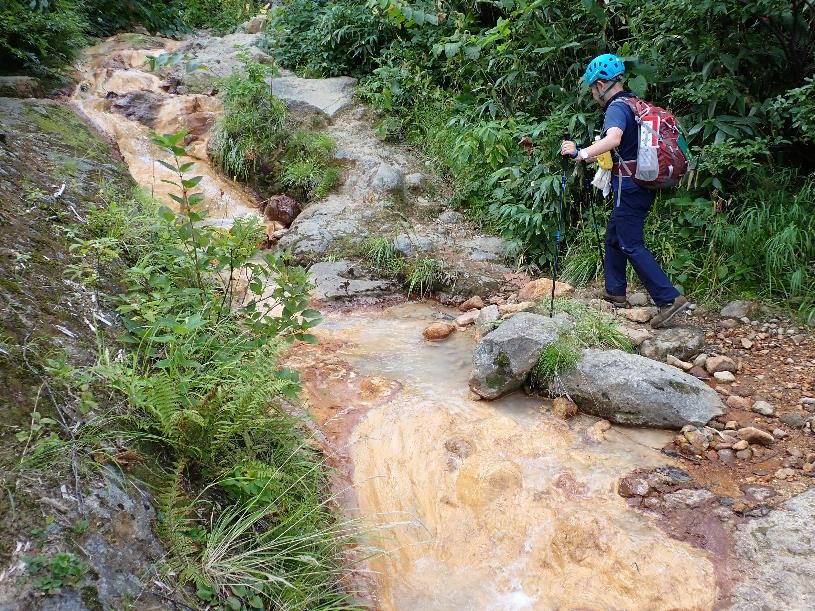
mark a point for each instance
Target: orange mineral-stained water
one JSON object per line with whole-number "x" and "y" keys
{"x": 494, "y": 505}
{"x": 114, "y": 68}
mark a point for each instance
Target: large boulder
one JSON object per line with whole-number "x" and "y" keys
{"x": 503, "y": 359}
{"x": 631, "y": 389}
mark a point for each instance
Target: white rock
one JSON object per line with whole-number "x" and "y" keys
{"x": 724, "y": 376}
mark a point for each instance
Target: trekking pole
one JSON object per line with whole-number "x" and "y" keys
{"x": 564, "y": 166}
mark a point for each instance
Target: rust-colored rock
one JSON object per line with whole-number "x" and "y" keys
{"x": 564, "y": 408}
{"x": 281, "y": 208}
{"x": 473, "y": 303}
{"x": 757, "y": 436}
{"x": 438, "y": 330}
{"x": 542, "y": 287}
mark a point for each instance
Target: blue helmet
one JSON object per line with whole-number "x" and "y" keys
{"x": 606, "y": 67}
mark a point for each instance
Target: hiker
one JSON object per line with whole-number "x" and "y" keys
{"x": 624, "y": 233}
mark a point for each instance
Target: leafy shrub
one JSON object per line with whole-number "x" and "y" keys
{"x": 41, "y": 41}
{"x": 220, "y": 16}
{"x": 327, "y": 38}
{"x": 250, "y": 131}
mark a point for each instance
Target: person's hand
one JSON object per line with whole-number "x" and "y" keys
{"x": 568, "y": 149}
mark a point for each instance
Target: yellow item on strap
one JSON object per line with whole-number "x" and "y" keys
{"x": 604, "y": 160}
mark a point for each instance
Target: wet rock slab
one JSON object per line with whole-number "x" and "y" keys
{"x": 634, "y": 390}
{"x": 344, "y": 280}
{"x": 778, "y": 556}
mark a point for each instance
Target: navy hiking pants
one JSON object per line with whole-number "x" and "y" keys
{"x": 625, "y": 243}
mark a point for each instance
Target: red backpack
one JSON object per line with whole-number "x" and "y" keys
{"x": 661, "y": 159}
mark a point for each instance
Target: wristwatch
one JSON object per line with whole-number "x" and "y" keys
{"x": 583, "y": 154}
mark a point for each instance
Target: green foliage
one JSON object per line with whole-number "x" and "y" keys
{"x": 220, "y": 16}
{"x": 327, "y": 38}
{"x": 382, "y": 254}
{"x": 591, "y": 329}
{"x": 424, "y": 274}
{"x": 42, "y": 37}
{"x": 250, "y": 130}
{"x": 554, "y": 360}
{"x": 54, "y": 572}
{"x": 43, "y": 41}
{"x": 467, "y": 86}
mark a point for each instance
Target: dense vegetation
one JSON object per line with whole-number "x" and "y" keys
{"x": 192, "y": 392}
{"x": 468, "y": 79}
{"x": 41, "y": 37}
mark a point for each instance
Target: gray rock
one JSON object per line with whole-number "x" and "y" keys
{"x": 141, "y": 106}
{"x": 795, "y": 420}
{"x": 638, "y": 300}
{"x": 485, "y": 248}
{"x": 451, "y": 217}
{"x": 321, "y": 96}
{"x": 631, "y": 389}
{"x": 683, "y": 342}
{"x": 20, "y": 87}
{"x": 388, "y": 178}
{"x": 317, "y": 227}
{"x": 763, "y": 408}
{"x": 407, "y": 246}
{"x": 737, "y": 309}
{"x": 503, "y": 359}
{"x": 343, "y": 279}
{"x": 687, "y": 497}
{"x": 487, "y": 317}
{"x": 416, "y": 181}
{"x": 777, "y": 553}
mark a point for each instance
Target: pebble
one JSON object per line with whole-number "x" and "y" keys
{"x": 753, "y": 435}
{"x": 720, "y": 363}
{"x": 763, "y": 408}
{"x": 784, "y": 473}
{"x": 797, "y": 452}
{"x": 735, "y": 402}
{"x": 744, "y": 454}
{"x": 699, "y": 373}
{"x": 741, "y": 445}
{"x": 638, "y": 299}
{"x": 473, "y": 303}
{"x": 731, "y": 425}
{"x": 632, "y": 486}
{"x": 438, "y": 330}
{"x": 727, "y": 456}
{"x": 808, "y": 468}
{"x": 729, "y": 323}
{"x": 746, "y": 343}
{"x": 780, "y": 433}
{"x": 678, "y": 363}
{"x": 564, "y": 408}
{"x": 687, "y": 497}
{"x": 724, "y": 376}
{"x": 700, "y": 360}
{"x": 640, "y": 315}
{"x": 467, "y": 318}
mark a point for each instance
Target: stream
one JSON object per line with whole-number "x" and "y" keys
{"x": 474, "y": 505}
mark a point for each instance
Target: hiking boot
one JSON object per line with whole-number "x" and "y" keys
{"x": 668, "y": 312}
{"x": 617, "y": 300}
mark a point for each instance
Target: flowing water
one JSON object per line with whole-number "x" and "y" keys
{"x": 113, "y": 68}
{"x": 475, "y": 505}
{"x": 489, "y": 505}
